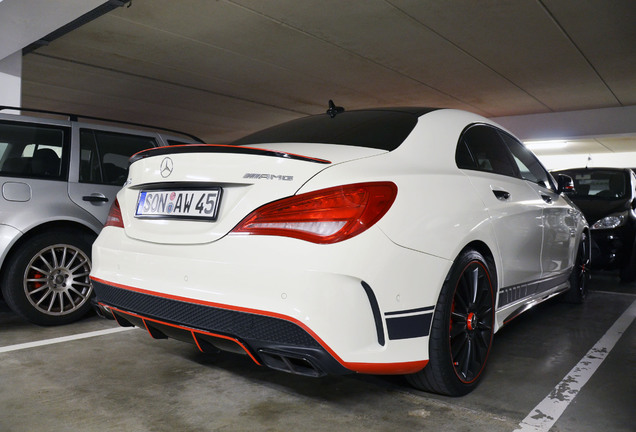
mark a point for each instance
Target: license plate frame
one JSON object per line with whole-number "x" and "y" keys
{"x": 174, "y": 203}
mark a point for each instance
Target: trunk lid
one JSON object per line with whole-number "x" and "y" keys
{"x": 241, "y": 179}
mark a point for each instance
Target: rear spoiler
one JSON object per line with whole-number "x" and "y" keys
{"x": 213, "y": 148}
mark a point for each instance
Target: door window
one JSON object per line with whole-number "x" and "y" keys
{"x": 529, "y": 166}
{"x": 37, "y": 151}
{"x": 481, "y": 148}
{"x": 104, "y": 155}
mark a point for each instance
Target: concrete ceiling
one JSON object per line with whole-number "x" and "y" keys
{"x": 221, "y": 69}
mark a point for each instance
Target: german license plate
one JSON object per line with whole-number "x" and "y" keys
{"x": 181, "y": 204}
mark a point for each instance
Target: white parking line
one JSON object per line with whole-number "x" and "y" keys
{"x": 545, "y": 415}
{"x": 28, "y": 345}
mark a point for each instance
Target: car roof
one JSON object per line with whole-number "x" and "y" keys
{"x": 379, "y": 128}
{"x": 44, "y": 116}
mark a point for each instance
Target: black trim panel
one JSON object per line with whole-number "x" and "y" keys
{"x": 377, "y": 317}
{"x": 513, "y": 293}
{"x": 408, "y": 327}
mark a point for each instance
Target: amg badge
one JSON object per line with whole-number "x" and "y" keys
{"x": 259, "y": 176}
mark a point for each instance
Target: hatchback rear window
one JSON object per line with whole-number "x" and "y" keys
{"x": 599, "y": 184}
{"x": 378, "y": 129}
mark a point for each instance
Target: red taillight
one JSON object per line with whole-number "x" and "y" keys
{"x": 114, "y": 218}
{"x": 324, "y": 216}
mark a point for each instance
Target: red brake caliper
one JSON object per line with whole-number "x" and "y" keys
{"x": 38, "y": 276}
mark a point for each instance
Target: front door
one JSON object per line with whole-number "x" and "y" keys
{"x": 559, "y": 219}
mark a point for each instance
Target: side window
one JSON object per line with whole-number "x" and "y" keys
{"x": 529, "y": 166}
{"x": 481, "y": 148}
{"x": 104, "y": 155}
{"x": 32, "y": 150}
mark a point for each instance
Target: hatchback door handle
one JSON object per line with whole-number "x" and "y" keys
{"x": 501, "y": 194}
{"x": 95, "y": 198}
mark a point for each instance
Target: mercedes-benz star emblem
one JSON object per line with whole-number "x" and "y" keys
{"x": 166, "y": 167}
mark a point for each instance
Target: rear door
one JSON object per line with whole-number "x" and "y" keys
{"x": 100, "y": 166}
{"x": 33, "y": 171}
{"x": 515, "y": 208}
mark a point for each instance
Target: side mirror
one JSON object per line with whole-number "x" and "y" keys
{"x": 565, "y": 184}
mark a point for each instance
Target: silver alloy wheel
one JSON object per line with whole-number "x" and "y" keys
{"x": 56, "y": 280}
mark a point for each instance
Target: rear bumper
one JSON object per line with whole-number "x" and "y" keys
{"x": 271, "y": 341}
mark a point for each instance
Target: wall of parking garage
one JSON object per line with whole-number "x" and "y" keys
{"x": 11, "y": 79}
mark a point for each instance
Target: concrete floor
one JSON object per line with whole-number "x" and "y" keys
{"x": 126, "y": 381}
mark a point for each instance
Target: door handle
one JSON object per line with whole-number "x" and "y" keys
{"x": 95, "y": 198}
{"x": 501, "y": 195}
{"x": 547, "y": 198}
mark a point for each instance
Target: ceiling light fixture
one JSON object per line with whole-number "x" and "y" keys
{"x": 546, "y": 145}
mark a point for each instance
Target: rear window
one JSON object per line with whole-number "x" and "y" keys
{"x": 599, "y": 184}
{"x": 378, "y": 129}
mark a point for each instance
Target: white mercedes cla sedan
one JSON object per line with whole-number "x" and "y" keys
{"x": 383, "y": 241}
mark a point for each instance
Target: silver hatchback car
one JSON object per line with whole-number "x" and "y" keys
{"x": 58, "y": 179}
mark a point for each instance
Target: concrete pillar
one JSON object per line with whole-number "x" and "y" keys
{"x": 11, "y": 79}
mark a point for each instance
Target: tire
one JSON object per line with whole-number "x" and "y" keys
{"x": 461, "y": 331}
{"x": 46, "y": 280}
{"x": 577, "y": 293}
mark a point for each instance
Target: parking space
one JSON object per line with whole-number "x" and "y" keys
{"x": 120, "y": 379}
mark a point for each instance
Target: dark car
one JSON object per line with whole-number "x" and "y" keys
{"x": 607, "y": 198}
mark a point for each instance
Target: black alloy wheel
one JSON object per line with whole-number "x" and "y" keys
{"x": 462, "y": 329}
{"x": 471, "y": 322}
